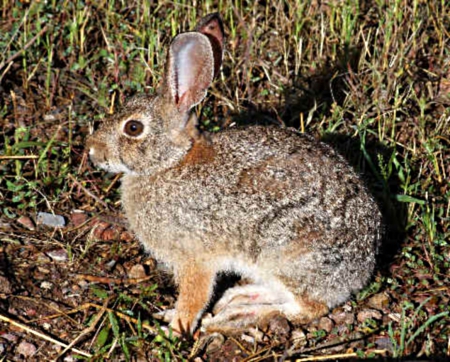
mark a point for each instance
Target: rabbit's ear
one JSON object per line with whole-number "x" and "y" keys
{"x": 211, "y": 25}
{"x": 190, "y": 69}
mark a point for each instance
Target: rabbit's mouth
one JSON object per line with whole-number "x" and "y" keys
{"x": 99, "y": 160}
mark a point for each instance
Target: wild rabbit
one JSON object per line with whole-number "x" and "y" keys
{"x": 277, "y": 207}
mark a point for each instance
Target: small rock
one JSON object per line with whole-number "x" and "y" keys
{"x": 111, "y": 264}
{"x": 26, "y": 222}
{"x": 343, "y": 318}
{"x": 83, "y": 284}
{"x": 26, "y": 349}
{"x": 4, "y": 225}
{"x": 298, "y": 338}
{"x": 378, "y": 301}
{"x": 49, "y": 117}
{"x": 31, "y": 312}
{"x": 110, "y": 233}
{"x": 43, "y": 270}
{"x": 5, "y": 285}
{"x": 46, "y": 285}
{"x": 126, "y": 236}
{"x": 78, "y": 217}
{"x": 369, "y": 313}
{"x": 137, "y": 272}
{"x": 384, "y": 343}
{"x": 347, "y": 307}
{"x": 279, "y": 326}
{"x": 47, "y": 219}
{"x": 98, "y": 227}
{"x": 326, "y": 324}
{"x": 10, "y": 337}
{"x": 58, "y": 255}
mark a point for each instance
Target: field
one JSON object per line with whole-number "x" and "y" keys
{"x": 371, "y": 78}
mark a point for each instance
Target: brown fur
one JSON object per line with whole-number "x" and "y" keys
{"x": 272, "y": 205}
{"x": 201, "y": 152}
{"x": 195, "y": 291}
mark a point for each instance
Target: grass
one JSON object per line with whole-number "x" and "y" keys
{"x": 370, "y": 77}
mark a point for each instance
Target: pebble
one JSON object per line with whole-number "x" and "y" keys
{"x": 384, "y": 343}
{"x": 26, "y": 222}
{"x": 279, "y": 326}
{"x": 378, "y": 301}
{"x": 47, "y": 219}
{"x": 10, "y": 337}
{"x": 78, "y": 217}
{"x": 137, "y": 272}
{"x": 326, "y": 324}
{"x": 5, "y": 285}
{"x": 343, "y": 317}
{"x": 46, "y": 285}
{"x": 59, "y": 255}
{"x": 126, "y": 236}
{"x": 298, "y": 338}
{"x": 369, "y": 313}
{"x": 26, "y": 349}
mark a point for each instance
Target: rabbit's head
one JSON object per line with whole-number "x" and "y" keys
{"x": 153, "y": 133}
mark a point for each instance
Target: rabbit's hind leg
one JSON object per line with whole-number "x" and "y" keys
{"x": 251, "y": 305}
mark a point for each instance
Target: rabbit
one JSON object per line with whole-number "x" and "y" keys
{"x": 273, "y": 205}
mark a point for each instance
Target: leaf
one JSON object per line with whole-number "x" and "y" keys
{"x": 114, "y": 324}
{"x": 102, "y": 337}
{"x": 100, "y": 293}
{"x": 407, "y": 198}
{"x": 125, "y": 349}
{"x": 27, "y": 144}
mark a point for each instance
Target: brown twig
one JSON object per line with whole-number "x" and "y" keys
{"x": 87, "y": 192}
{"x": 25, "y": 157}
{"x": 106, "y": 280}
{"x": 43, "y": 336}
{"x": 338, "y": 356}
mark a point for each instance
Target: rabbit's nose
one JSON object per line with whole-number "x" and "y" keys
{"x": 97, "y": 156}
{"x": 96, "y": 150}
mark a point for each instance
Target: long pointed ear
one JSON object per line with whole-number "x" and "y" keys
{"x": 211, "y": 25}
{"x": 190, "y": 69}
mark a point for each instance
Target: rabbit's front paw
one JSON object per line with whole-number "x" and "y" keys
{"x": 165, "y": 315}
{"x": 177, "y": 325}
{"x": 183, "y": 324}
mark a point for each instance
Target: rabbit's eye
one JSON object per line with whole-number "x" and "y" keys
{"x": 133, "y": 128}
